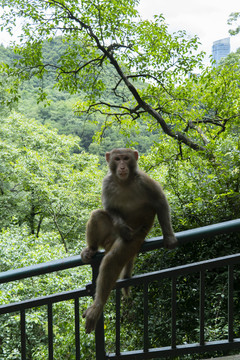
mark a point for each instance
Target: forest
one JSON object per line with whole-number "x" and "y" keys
{"x": 81, "y": 81}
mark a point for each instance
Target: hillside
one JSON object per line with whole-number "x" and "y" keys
{"x": 58, "y": 110}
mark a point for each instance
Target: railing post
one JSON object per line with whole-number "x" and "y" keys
{"x": 23, "y": 335}
{"x": 99, "y": 332}
{"x": 174, "y": 310}
{"x": 202, "y": 308}
{"x": 50, "y": 331}
{"x": 230, "y": 303}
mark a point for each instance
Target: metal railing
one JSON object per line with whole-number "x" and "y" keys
{"x": 174, "y": 349}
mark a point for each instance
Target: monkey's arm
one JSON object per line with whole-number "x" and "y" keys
{"x": 162, "y": 209}
{"x": 164, "y": 218}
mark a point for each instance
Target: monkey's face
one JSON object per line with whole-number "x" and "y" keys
{"x": 122, "y": 166}
{"x": 122, "y": 163}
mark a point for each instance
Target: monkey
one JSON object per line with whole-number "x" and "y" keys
{"x": 130, "y": 200}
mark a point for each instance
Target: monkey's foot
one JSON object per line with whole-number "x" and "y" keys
{"x": 87, "y": 254}
{"x": 92, "y": 314}
{"x": 170, "y": 242}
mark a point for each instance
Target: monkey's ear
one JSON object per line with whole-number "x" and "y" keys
{"x": 107, "y": 156}
{"x": 136, "y": 154}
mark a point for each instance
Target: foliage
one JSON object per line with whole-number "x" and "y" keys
{"x": 19, "y": 249}
{"x": 9, "y": 94}
{"x": 58, "y": 110}
{"x": 233, "y": 18}
{"x": 47, "y": 193}
{"x": 43, "y": 182}
{"x": 201, "y": 192}
{"x": 107, "y": 34}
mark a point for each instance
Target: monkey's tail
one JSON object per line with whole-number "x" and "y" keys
{"x": 126, "y": 274}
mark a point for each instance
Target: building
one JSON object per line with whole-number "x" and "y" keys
{"x": 220, "y": 49}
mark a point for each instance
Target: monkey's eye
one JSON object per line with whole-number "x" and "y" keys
{"x": 117, "y": 158}
{"x": 126, "y": 158}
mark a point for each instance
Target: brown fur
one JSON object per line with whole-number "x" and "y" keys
{"x": 131, "y": 199}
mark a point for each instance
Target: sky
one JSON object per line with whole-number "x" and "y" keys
{"x": 205, "y": 18}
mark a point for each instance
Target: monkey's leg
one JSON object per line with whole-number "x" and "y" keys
{"x": 139, "y": 233}
{"x": 98, "y": 233}
{"x": 109, "y": 271}
{"x": 126, "y": 274}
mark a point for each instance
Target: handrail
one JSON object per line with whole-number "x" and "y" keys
{"x": 148, "y": 245}
{"x": 194, "y": 234}
{"x": 40, "y": 269}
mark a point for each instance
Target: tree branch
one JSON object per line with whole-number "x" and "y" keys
{"x": 109, "y": 53}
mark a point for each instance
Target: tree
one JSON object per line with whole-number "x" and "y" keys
{"x": 44, "y": 184}
{"x": 107, "y": 33}
{"x": 233, "y": 18}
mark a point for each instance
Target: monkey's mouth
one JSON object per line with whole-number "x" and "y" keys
{"x": 123, "y": 174}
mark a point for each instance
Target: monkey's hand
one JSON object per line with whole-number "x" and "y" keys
{"x": 92, "y": 314}
{"x": 87, "y": 254}
{"x": 170, "y": 242}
